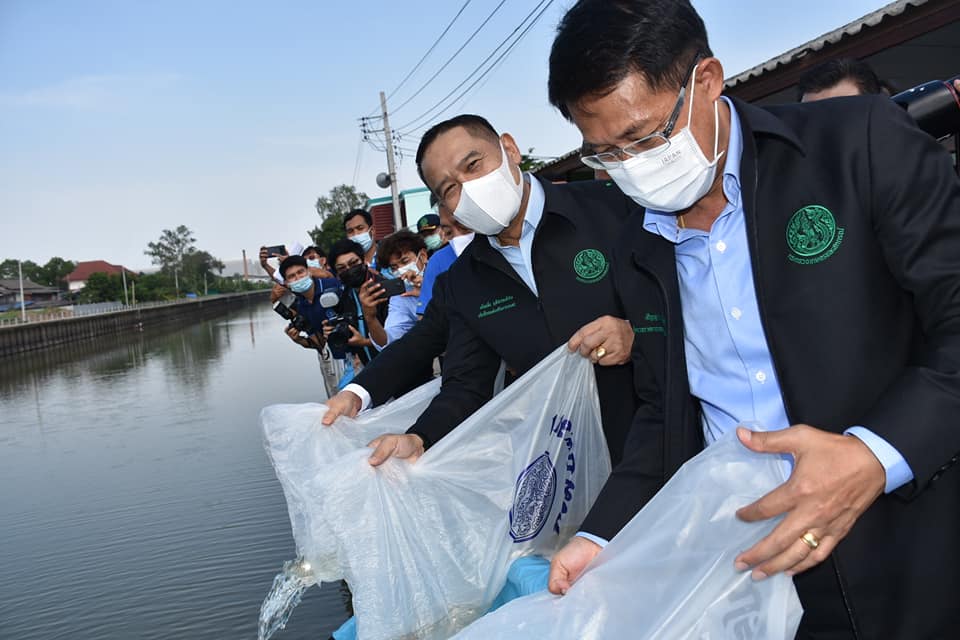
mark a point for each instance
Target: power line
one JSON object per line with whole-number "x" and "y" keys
{"x": 450, "y": 59}
{"x": 545, "y": 4}
{"x": 356, "y": 165}
{"x": 429, "y": 51}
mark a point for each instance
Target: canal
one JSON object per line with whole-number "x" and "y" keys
{"x": 137, "y": 500}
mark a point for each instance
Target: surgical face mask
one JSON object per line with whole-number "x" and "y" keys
{"x": 433, "y": 241}
{"x": 489, "y": 203}
{"x": 302, "y": 285}
{"x": 671, "y": 177}
{"x": 459, "y": 243}
{"x": 410, "y": 268}
{"x": 364, "y": 240}
{"x": 354, "y": 276}
{"x": 313, "y": 264}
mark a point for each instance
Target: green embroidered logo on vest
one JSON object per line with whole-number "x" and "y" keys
{"x": 813, "y": 235}
{"x": 590, "y": 266}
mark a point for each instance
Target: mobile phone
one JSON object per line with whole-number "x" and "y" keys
{"x": 276, "y": 250}
{"x": 393, "y": 287}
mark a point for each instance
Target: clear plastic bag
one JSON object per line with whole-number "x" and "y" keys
{"x": 425, "y": 547}
{"x": 669, "y": 573}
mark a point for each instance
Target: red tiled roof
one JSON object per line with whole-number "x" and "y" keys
{"x": 85, "y": 269}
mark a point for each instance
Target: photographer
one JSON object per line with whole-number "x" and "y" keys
{"x": 313, "y": 303}
{"x": 405, "y": 253}
{"x": 351, "y": 328}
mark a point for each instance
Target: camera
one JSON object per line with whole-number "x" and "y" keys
{"x": 935, "y": 106}
{"x": 283, "y": 307}
{"x": 341, "y": 334}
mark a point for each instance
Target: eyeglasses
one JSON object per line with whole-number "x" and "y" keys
{"x": 353, "y": 263}
{"x": 613, "y": 159}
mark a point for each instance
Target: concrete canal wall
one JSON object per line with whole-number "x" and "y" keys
{"x": 34, "y": 336}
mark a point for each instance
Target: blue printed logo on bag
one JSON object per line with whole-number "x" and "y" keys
{"x": 533, "y": 499}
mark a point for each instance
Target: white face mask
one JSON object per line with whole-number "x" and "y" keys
{"x": 410, "y": 268}
{"x": 364, "y": 240}
{"x": 671, "y": 178}
{"x": 459, "y": 243}
{"x": 489, "y": 203}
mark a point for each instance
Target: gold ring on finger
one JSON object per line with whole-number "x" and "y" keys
{"x": 600, "y": 352}
{"x": 810, "y": 540}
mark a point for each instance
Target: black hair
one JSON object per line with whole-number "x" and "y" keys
{"x": 434, "y": 201}
{"x": 291, "y": 261}
{"x": 601, "y": 42}
{"x": 398, "y": 243}
{"x": 476, "y": 125}
{"x": 320, "y": 252}
{"x": 341, "y": 247}
{"x": 353, "y": 213}
{"x": 832, "y": 72}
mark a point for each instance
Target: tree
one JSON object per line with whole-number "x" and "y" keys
{"x": 331, "y": 208}
{"x": 10, "y": 269}
{"x": 168, "y": 252}
{"x": 53, "y": 273}
{"x": 198, "y": 266}
{"x": 530, "y": 162}
{"x": 102, "y": 287}
{"x": 342, "y": 198}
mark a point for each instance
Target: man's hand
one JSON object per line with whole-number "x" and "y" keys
{"x": 277, "y": 292}
{"x": 835, "y": 479}
{"x": 345, "y": 403}
{"x": 569, "y": 563}
{"x": 319, "y": 272}
{"x": 357, "y": 339}
{"x": 392, "y": 445}
{"x": 264, "y": 255}
{"x": 613, "y": 335}
{"x": 371, "y": 294}
{"x": 294, "y": 334}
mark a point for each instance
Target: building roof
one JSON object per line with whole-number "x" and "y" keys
{"x": 872, "y": 19}
{"x": 29, "y": 286}
{"x": 85, "y": 269}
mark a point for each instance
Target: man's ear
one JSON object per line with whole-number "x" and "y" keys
{"x": 710, "y": 78}
{"x": 513, "y": 154}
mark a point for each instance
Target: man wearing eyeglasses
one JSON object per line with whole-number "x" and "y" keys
{"x": 796, "y": 267}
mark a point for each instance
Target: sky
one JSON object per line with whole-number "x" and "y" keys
{"x": 121, "y": 118}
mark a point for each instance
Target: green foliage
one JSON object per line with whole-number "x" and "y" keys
{"x": 342, "y": 198}
{"x": 102, "y": 287}
{"x": 328, "y": 232}
{"x": 530, "y": 162}
{"x": 152, "y": 287}
{"x": 196, "y": 268}
{"x": 52, "y": 274}
{"x": 331, "y": 208}
{"x": 169, "y": 250}
{"x": 10, "y": 269}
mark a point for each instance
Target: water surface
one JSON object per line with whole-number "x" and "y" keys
{"x": 137, "y": 500}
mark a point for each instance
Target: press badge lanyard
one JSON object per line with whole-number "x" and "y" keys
{"x": 360, "y": 322}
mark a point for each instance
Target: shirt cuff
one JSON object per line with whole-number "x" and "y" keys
{"x": 361, "y": 393}
{"x": 898, "y": 470}
{"x": 592, "y": 538}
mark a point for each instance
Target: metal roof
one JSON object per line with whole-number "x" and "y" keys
{"x": 833, "y": 37}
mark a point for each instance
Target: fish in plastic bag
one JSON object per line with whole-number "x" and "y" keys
{"x": 425, "y": 547}
{"x": 669, "y": 573}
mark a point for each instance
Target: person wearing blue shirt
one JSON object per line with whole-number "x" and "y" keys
{"x": 458, "y": 237}
{"x": 315, "y": 299}
{"x": 795, "y": 267}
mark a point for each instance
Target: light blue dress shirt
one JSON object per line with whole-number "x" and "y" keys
{"x": 521, "y": 258}
{"x": 729, "y": 365}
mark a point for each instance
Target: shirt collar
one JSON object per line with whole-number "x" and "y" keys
{"x": 665, "y": 224}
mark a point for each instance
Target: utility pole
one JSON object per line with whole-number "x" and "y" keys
{"x": 176, "y": 282}
{"x": 391, "y": 167}
{"x": 23, "y": 302}
{"x": 123, "y": 274}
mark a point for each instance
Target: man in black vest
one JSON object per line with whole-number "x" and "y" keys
{"x": 796, "y": 266}
{"x": 536, "y": 277}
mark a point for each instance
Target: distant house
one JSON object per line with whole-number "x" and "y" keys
{"x": 32, "y": 292}
{"x": 77, "y": 279}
